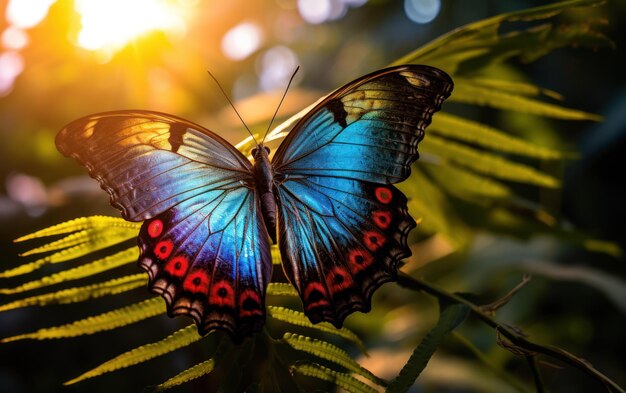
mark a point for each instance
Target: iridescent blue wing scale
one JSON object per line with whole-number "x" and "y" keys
{"x": 343, "y": 226}
{"x": 203, "y": 241}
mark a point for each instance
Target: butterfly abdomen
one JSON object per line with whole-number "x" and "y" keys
{"x": 264, "y": 179}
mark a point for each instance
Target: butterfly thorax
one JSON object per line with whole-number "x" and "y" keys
{"x": 264, "y": 183}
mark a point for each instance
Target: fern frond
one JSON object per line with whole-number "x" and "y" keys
{"x": 516, "y": 87}
{"x": 190, "y": 374}
{"x": 101, "y": 238}
{"x": 487, "y": 163}
{"x": 345, "y": 381}
{"x": 106, "y": 321}
{"x": 79, "y": 294}
{"x": 176, "y": 340}
{"x": 482, "y": 135}
{"x": 80, "y": 224}
{"x": 281, "y": 289}
{"x": 468, "y": 93}
{"x": 465, "y": 184}
{"x": 89, "y": 269}
{"x": 449, "y": 318}
{"x": 330, "y": 352}
{"x": 276, "y": 259}
{"x": 299, "y": 319}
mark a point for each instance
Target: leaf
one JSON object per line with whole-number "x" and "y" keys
{"x": 468, "y": 93}
{"x": 98, "y": 323}
{"x": 80, "y": 224}
{"x": 451, "y": 126}
{"x": 281, "y": 289}
{"x": 330, "y": 352}
{"x": 190, "y": 374}
{"x": 467, "y": 185}
{"x": 299, "y": 319}
{"x": 449, "y": 318}
{"x": 437, "y": 215}
{"x": 345, "y": 381}
{"x": 176, "y": 340}
{"x": 487, "y": 163}
{"x": 97, "y": 266}
{"x": 98, "y": 240}
{"x": 79, "y": 294}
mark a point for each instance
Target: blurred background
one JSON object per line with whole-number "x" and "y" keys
{"x": 60, "y": 60}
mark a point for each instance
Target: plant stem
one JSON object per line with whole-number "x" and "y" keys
{"x": 514, "y": 337}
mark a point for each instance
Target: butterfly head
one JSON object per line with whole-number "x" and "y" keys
{"x": 260, "y": 151}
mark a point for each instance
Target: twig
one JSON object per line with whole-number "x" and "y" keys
{"x": 514, "y": 337}
{"x": 532, "y": 363}
{"x": 492, "y": 307}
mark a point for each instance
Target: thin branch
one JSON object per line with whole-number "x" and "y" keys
{"x": 492, "y": 307}
{"x": 514, "y": 337}
{"x": 532, "y": 363}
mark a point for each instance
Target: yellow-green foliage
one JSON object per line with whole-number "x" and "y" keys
{"x": 343, "y": 380}
{"x": 179, "y": 339}
{"x": 191, "y": 373}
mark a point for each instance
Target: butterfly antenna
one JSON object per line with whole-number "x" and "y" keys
{"x": 233, "y": 106}
{"x": 280, "y": 103}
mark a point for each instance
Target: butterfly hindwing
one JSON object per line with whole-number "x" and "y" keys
{"x": 203, "y": 242}
{"x": 343, "y": 238}
{"x": 334, "y": 173}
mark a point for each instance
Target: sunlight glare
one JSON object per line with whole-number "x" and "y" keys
{"x": 14, "y": 38}
{"x": 112, "y": 24}
{"x": 27, "y": 13}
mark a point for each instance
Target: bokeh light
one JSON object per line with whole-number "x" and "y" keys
{"x": 315, "y": 11}
{"x": 11, "y": 65}
{"x": 14, "y": 38}
{"x": 276, "y": 67}
{"x": 109, "y": 25}
{"x": 422, "y": 11}
{"x": 242, "y": 40}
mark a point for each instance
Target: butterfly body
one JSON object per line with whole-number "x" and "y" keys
{"x": 326, "y": 197}
{"x": 264, "y": 179}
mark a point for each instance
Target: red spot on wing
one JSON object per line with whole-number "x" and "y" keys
{"x": 382, "y": 219}
{"x": 339, "y": 279}
{"x": 177, "y": 266}
{"x": 163, "y": 249}
{"x": 222, "y": 294}
{"x": 359, "y": 260}
{"x": 250, "y": 303}
{"x": 373, "y": 240}
{"x": 155, "y": 228}
{"x": 315, "y": 295}
{"x": 197, "y": 282}
{"x": 383, "y": 194}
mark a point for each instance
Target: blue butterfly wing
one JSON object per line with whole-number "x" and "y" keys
{"x": 343, "y": 226}
{"x": 203, "y": 242}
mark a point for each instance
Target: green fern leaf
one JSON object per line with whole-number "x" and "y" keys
{"x": 79, "y": 294}
{"x": 106, "y": 321}
{"x": 80, "y": 224}
{"x": 299, "y": 319}
{"x": 345, "y": 381}
{"x": 190, "y": 374}
{"x": 487, "y": 163}
{"x": 330, "y": 352}
{"x": 468, "y": 93}
{"x": 276, "y": 259}
{"x": 102, "y": 238}
{"x": 430, "y": 204}
{"x": 180, "y": 338}
{"x": 281, "y": 289}
{"x": 467, "y": 185}
{"x": 89, "y": 269}
{"x": 516, "y": 87}
{"x": 478, "y": 134}
{"x": 449, "y": 318}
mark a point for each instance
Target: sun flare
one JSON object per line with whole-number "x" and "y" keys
{"x": 109, "y": 25}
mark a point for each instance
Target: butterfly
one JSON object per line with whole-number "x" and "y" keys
{"x": 327, "y": 197}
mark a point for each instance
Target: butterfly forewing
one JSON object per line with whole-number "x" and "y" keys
{"x": 342, "y": 225}
{"x": 203, "y": 242}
